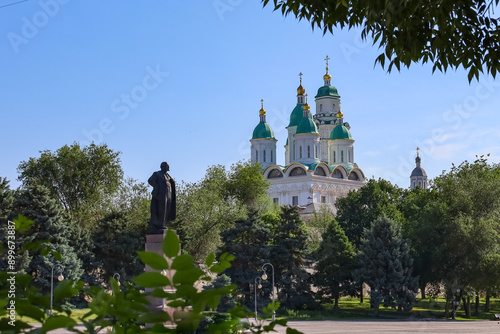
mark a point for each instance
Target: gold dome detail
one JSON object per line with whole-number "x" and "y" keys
{"x": 340, "y": 114}
{"x": 306, "y": 105}
{"x": 327, "y": 76}
{"x": 300, "y": 90}
{"x": 262, "y": 111}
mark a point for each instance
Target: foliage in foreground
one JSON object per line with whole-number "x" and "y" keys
{"x": 447, "y": 33}
{"x": 124, "y": 309}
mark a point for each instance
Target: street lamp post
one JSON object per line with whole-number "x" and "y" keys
{"x": 60, "y": 278}
{"x": 255, "y": 286}
{"x": 456, "y": 303}
{"x": 264, "y": 277}
{"x": 116, "y": 276}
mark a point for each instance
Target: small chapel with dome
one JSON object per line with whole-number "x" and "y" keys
{"x": 319, "y": 152}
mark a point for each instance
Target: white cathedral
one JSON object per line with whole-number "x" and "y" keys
{"x": 319, "y": 153}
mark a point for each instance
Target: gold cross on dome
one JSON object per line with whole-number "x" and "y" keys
{"x": 327, "y": 59}
{"x": 300, "y": 75}
{"x": 262, "y": 103}
{"x": 418, "y": 149}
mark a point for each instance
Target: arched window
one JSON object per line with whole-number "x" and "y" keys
{"x": 320, "y": 107}
{"x": 297, "y": 171}
{"x": 315, "y": 151}
{"x": 256, "y": 155}
{"x": 334, "y": 156}
{"x": 319, "y": 171}
{"x": 353, "y": 176}
{"x": 337, "y": 174}
{"x": 274, "y": 174}
{"x": 272, "y": 156}
{"x": 308, "y": 151}
{"x": 300, "y": 152}
{"x": 349, "y": 156}
{"x": 264, "y": 156}
{"x": 341, "y": 156}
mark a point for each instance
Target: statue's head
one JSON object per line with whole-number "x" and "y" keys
{"x": 164, "y": 166}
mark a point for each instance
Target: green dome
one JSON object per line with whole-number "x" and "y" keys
{"x": 327, "y": 91}
{"x": 263, "y": 131}
{"x": 340, "y": 132}
{"x": 297, "y": 115}
{"x": 307, "y": 125}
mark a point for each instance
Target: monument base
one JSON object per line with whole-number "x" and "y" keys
{"x": 154, "y": 244}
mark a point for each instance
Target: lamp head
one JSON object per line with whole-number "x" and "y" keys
{"x": 259, "y": 286}
{"x": 60, "y": 277}
{"x": 264, "y": 277}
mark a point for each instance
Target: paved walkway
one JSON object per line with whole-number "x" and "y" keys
{"x": 381, "y": 326}
{"x": 390, "y": 326}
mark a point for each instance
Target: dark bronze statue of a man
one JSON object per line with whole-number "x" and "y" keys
{"x": 163, "y": 203}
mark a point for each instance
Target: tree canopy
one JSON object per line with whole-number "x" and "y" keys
{"x": 447, "y": 33}
{"x": 81, "y": 178}
{"x": 212, "y": 205}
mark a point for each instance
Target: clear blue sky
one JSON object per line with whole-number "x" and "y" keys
{"x": 74, "y": 67}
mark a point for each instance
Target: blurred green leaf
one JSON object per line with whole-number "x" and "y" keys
{"x": 171, "y": 244}
{"x": 153, "y": 260}
{"x": 22, "y": 224}
{"x": 151, "y": 280}
{"x": 57, "y": 256}
{"x": 57, "y": 321}
{"x": 210, "y": 259}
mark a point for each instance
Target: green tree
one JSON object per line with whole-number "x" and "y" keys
{"x": 425, "y": 226}
{"x": 470, "y": 196}
{"x": 448, "y": 34}
{"x": 51, "y": 231}
{"x": 212, "y": 205}
{"x": 248, "y": 241}
{"x": 387, "y": 267}
{"x": 360, "y": 208}
{"x": 116, "y": 242}
{"x": 133, "y": 198}
{"x": 6, "y": 200}
{"x": 287, "y": 253}
{"x": 80, "y": 178}
{"x": 247, "y": 184}
{"x": 317, "y": 226}
{"x": 335, "y": 264}
{"x": 227, "y": 302}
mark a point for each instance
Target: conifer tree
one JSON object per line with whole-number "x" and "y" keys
{"x": 248, "y": 240}
{"x": 6, "y": 200}
{"x": 52, "y": 230}
{"x": 116, "y": 242}
{"x": 335, "y": 263}
{"x": 288, "y": 254}
{"x": 386, "y": 266}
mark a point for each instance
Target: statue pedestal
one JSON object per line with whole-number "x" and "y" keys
{"x": 154, "y": 244}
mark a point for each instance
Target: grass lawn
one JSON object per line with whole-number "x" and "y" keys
{"x": 352, "y": 309}
{"x": 75, "y": 314}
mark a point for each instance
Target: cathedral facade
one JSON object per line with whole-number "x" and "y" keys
{"x": 319, "y": 153}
